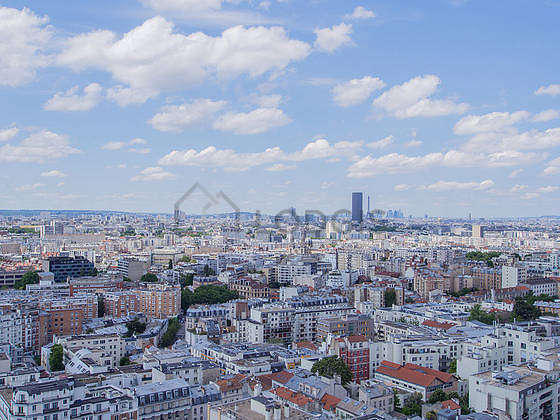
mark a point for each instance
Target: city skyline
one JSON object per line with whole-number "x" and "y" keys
{"x": 445, "y": 108}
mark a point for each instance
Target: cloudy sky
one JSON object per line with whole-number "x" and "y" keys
{"x": 442, "y": 107}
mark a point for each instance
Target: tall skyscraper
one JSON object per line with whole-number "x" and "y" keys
{"x": 477, "y": 231}
{"x": 357, "y": 207}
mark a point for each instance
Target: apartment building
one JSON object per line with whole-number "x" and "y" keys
{"x": 94, "y": 285}
{"x": 517, "y": 392}
{"x": 354, "y": 350}
{"x": 249, "y": 288}
{"x": 414, "y": 378}
{"x": 175, "y": 399}
{"x": 65, "y": 267}
{"x": 110, "y": 347}
{"x": 426, "y": 280}
{"x": 347, "y": 325}
{"x": 156, "y": 301}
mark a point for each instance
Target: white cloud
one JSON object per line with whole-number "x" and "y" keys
{"x": 413, "y": 143}
{"x": 547, "y": 115}
{"x": 140, "y": 150}
{"x": 530, "y": 196}
{"x": 454, "y": 185}
{"x": 548, "y": 189}
{"x": 518, "y": 188}
{"x": 393, "y": 163}
{"x": 513, "y": 141}
{"x": 553, "y": 167}
{"x": 38, "y": 147}
{"x": 402, "y": 187}
{"x": 381, "y": 144}
{"x": 331, "y": 39}
{"x": 125, "y": 96}
{"x": 154, "y": 173}
{"x": 183, "y": 5}
{"x": 119, "y": 145}
{"x": 25, "y": 39}
{"x": 360, "y": 12}
{"x": 356, "y": 91}
{"x": 495, "y": 121}
{"x": 231, "y": 160}
{"x": 266, "y": 101}
{"x": 552, "y": 90}
{"x": 412, "y": 99}
{"x": 71, "y": 100}
{"x": 8, "y": 133}
{"x": 176, "y": 117}
{"x": 55, "y": 173}
{"x": 515, "y": 173}
{"x": 257, "y": 121}
{"x": 153, "y": 57}
{"x": 30, "y": 187}
{"x": 326, "y": 185}
{"x": 278, "y": 167}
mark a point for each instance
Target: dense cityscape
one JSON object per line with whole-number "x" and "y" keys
{"x": 240, "y": 316}
{"x": 279, "y": 210}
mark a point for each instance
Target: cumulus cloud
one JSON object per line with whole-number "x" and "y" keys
{"x": 176, "y": 117}
{"x": 257, "y": 121}
{"x": 381, "y": 144}
{"x": 38, "y": 147}
{"x": 183, "y": 5}
{"x": 495, "y": 121}
{"x": 547, "y": 115}
{"x": 455, "y": 185}
{"x": 266, "y": 101}
{"x": 55, "y": 173}
{"x": 231, "y": 160}
{"x": 125, "y": 96}
{"x": 25, "y": 40}
{"x": 356, "y": 91}
{"x": 279, "y": 167}
{"x": 394, "y": 163}
{"x": 331, "y": 39}
{"x": 553, "y": 167}
{"x": 513, "y": 141}
{"x": 548, "y": 189}
{"x": 413, "y": 99}
{"x": 360, "y": 13}
{"x": 119, "y": 145}
{"x": 552, "y": 90}
{"x": 413, "y": 143}
{"x": 154, "y": 57}
{"x": 8, "y": 133}
{"x": 72, "y": 100}
{"x": 154, "y": 173}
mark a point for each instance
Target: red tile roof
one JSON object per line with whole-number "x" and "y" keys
{"x": 295, "y": 397}
{"x": 450, "y": 404}
{"x": 283, "y": 376}
{"x": 414, "y": 374}
{"x": 438, "y": 325}
{"x": 306, "y": 345}
{"x": 329, "y": 402}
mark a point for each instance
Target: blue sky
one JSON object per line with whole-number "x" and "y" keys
{"x": 442, "y": 107}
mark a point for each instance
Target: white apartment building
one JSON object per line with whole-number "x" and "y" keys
{"x": 109, "y": 348}
{"x": 520, "y": 392}
{"x": 512, "y": 276}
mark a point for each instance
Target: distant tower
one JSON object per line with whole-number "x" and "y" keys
{"x": 357, "y": 207}
{"x": 367, "y": 214}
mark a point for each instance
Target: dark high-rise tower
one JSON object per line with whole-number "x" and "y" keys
{"x": 357, "y": 207}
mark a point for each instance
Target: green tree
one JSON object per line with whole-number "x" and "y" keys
{"x": 464, "y": 403}
{"x": 390, "y": 298}
{"x": 170, "y": 265}
{"x": 210, "y": 294}
{"x": 478, "y": 314}
{"x": 409, "y": 300}
{"x": 168, "y": 338}
{"x": 413, "y": 405}
{"x": 186, "y": 298}
{"x": 135, "y": 327}
{"x": 431, "y": 415}
{"x": 100, "y": 306}
{"x": 31, "y": 277}
{"x": 56, "y": 358}
{"x": 330, "y": 366}
{"x": 207, "y": 271}
{"x": 126, "y": 279}
{"x": 524, "y": 311}
{"x": 437, "y": 396}
{"x": 452, "y": 366}
{"x": 149, "y": 278}
{"x": 396, "y": 400}
{"x": 483, "y": 256}
{"x": 186, "y": 279}
{"x": 125, "y": 361}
